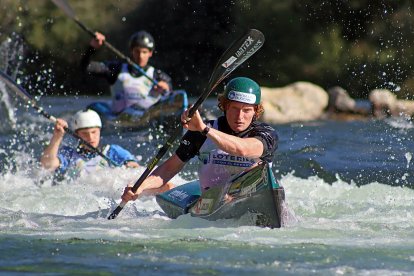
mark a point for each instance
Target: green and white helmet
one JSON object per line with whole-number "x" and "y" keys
{"x": 243, "y": 90}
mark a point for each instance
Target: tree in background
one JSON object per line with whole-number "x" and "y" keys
{"x": 359, "y": 45}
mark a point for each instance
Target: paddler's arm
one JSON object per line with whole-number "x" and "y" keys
{"x": 158, "y": 179}
{"x": 247, "y": 147}
{"x": 95, "y": 43}
{"x": 49, "y": 159}
{"x": 120, "y": 156}
{"x": 107, "y": 70}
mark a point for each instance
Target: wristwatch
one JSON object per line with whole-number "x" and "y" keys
{"x": 205, "y": 130}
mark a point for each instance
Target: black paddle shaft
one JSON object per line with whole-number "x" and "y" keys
{"x": 233, "y": 57}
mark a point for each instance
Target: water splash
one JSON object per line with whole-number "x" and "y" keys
{"x": 408, "y": 156}
{"x": 6, "y": 111}
{"x": 11, "y": 56}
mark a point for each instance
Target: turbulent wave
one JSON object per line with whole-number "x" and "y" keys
{"x": 75, "y": 208}
{"x": 400, "y": 123}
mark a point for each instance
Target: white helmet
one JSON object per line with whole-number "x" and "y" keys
{"x": 86, "y": 119}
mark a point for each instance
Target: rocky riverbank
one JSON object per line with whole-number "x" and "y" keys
{"x": 305, "y": 101}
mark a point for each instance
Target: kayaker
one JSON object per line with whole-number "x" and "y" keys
{"x": 69, "y": 161}
{"x": 129, "y": 87}
{"x": 225, "y": 146}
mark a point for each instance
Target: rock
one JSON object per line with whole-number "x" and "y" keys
{"x": 300, "y": 101}
{"x": 342, "y": 107}
{"x": 340, "y": 101}
{"x": 405, "y": 108}
{"x": 304, "y": 101}
{"x": 384, "y": 103}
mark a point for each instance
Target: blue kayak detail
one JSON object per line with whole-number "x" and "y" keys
{"x": 180, "y": 199}
{"x": 103, "y": 109}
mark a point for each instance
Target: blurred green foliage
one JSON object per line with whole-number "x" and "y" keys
{"x": 357, "y": 44}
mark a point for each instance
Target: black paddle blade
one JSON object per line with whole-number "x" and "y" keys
{"x": 63, "y": 5}
{"x": 115, "y": 213}
{"x": 233, "y": 57}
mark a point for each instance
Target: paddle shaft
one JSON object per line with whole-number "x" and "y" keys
{"x": 159, "y": 155}
{"x": 148, "y": 170}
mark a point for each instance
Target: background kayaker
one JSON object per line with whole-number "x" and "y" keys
{"x": 129, "y": 87}
{"x": 69, "y": 160}
{"x": 225, "y": 146}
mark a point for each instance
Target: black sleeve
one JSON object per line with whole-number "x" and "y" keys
{"x": 86, "y": 58}
{"x": 190, "y": 145}
{"x": 108, "y": 70}
{"x": 268, "y": 136}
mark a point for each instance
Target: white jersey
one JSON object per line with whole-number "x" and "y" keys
{"x": 217, "y": 166}
{"x": 129, "y": 90}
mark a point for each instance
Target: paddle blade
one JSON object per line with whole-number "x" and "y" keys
{"x": 115, "y": 213}
{"x": 233, "y": 57}
{"x": 63, "y": 5}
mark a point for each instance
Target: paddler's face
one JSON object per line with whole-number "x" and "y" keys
{"x": 239, "y": 115}
{"x": 141, "y": 56}
{"x": 91, "y": 135}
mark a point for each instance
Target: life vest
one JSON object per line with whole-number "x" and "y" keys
{"x": 83, "y": 165}
{"x": 217, "y": 166}
{"x": 129, "y": 90}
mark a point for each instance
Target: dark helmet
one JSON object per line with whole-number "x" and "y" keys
{"x": 141, "y": 39}
{"x": 243, "y": 90}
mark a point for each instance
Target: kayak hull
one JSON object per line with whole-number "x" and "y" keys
{"x": 254, "y": 191}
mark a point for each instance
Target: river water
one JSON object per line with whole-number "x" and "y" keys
{"x": 349, "y": 185}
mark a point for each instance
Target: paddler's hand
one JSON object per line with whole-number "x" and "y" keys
{"x": 131, "y": 164}
{"x": 60, "y": 126}
{"x": 195, "y": 124}
{"x": 129, "y": 195}
{"x": 97, "y": 41}
{"x": 162, "y": 87}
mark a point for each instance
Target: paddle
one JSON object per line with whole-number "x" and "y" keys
{"x": 28, "y": 98}
{"x": 232, "y": 58}
{"x": 62, "y": 4}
